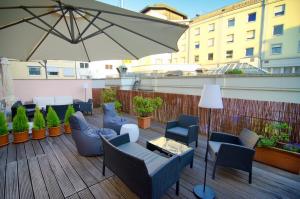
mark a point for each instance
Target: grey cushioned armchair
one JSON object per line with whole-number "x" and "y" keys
{"x": 87, "y": 137}
{"x": 111, "y": 119}
{"x": 146, "y": 173}
{"x": 185, "y": 129}
{"x": 232, "y": 151}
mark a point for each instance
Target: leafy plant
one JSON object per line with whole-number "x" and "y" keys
{"x": 144, "y": 107}
{"x": 118, "y": 106}
{"x": 292, "y": 147}
{"x": 3, "y": 124}
{"x": 52, "y": 118}
{"x": 266, "y": 142}
{"x": 38, "y": 120}
{"x": 70, "y": 111}
{"x": 234, "y": 71}
{"x": 20, "y": 121}
{"x": 109, "y": 95}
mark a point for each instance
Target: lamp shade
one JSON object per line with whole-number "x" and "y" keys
{"x": 85, "y": 85}
{"x": 211, "y": 97}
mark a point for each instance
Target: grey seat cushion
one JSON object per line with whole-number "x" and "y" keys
{"x": 178, "y": 131}
{"x": 152, "y": 160}
{"x": 214, "y": 147}
{"x": 248, "y": 138}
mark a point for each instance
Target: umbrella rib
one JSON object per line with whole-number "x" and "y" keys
{"x": 100, "y": 31}
{"x": 82, "y": 41}
{"x": 134, "y": 32}
{"x": 65, "y": 19}
{"x": 27, "y": 10}
{"x": 72, "y": 25}
{"x": 43, "y": 39}
{"x": 26, "y": 19}
{"x": 90, "y": 23}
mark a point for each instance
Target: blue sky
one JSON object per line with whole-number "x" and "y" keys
{"x": 189, "y": 7}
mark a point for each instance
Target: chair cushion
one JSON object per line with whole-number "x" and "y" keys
{"x": 178, "y": 131}
{"x": 248, "y": 138}
{"x": 214, "y": 147}
{"x": 152, "y": 160}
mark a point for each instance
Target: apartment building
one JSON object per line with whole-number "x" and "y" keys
{"x": 262, "y": 33}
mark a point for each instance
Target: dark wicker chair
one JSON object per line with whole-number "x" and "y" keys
{"x": 61, "y": 110}
{"x": 85, "y": 107}
{"x": 146, "y": 173}
{"x": 185, "y": 129}
{"x": 232, "y": 151}
{"x": 30, "y": 108}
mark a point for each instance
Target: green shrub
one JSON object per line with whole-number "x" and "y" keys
{"x": 266, "y": 142}
{"x": 52, "y": 118}
{"x": 38, "y": 120}
{"x": 20, "y": 121}
{"x": 234, "y": 71}
{"x": 144, "y": 107}
{"x": 3, "y": 124}
{"x": 70, "y": 111}
{"x": 109, "y": 95}
{"x": 118, "y": 106}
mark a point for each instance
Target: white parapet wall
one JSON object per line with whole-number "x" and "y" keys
{"x": 277, "y": 88}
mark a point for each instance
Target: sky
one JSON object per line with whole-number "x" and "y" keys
{"x": 188, "y": 7}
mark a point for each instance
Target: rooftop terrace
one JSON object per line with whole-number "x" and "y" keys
{"x": 52, "y": 168}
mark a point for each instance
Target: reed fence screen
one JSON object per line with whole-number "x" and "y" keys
{"x": 236, "y": 115}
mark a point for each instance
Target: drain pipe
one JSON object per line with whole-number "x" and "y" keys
{"x": 261, "y": 35}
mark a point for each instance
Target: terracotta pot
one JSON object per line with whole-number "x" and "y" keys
{"x": 67, "y": 129}
{"x": 144, "y": 122}
{"x": 54, "y": 131}
{"x": 3, "y": 140}
{"x": 38, "y": 134}
{"x": 20, "y": 137}
{"x": 286, "y": 160}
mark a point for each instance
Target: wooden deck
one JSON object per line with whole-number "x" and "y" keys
{"x": 52, "y": 168}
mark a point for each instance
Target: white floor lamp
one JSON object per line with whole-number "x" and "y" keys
{"x": 211, "y": 99}
{"x": 85, "y": 86}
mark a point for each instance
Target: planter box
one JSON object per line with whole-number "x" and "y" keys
{"x": 38, "y": 134}
{"x": 144, "y": 122}
{"x": 279, "y": 158}
{"x": 54, "y": 131}
{"x": 4, "y": 140}
{"x": 67, "y": 129}
{"x": 20, "y": 137}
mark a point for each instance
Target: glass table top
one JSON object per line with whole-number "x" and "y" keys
{"x": 169, "y": 145}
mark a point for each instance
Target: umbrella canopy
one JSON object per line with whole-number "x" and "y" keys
{"x": 82, "y": 30}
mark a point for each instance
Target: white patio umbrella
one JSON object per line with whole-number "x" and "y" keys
{"x": 81, "y": 30}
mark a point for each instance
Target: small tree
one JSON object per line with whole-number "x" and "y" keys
{"x": 70, "y": 111}
{"x": 3, "y": 124}
{"x": 38, "y": 120}
{"x": 20, "y": 121}
{"x": 144, "y": 107}
{"x": 52, "y": 118}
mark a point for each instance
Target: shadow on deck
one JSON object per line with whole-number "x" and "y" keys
{"x": 52, "y": 168}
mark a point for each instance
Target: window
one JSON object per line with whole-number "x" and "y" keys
{"x": 34, "y": 70}
{"x": 197, "y": 31}
{"x": 211, "y": 27}
{"x": 84, "y": 65}
{"x": 69, "y": 72}
{"x": 196, "y": 58}
{"x": 230, "y": 38}
{"x": 108, "y": 66}
{"x": 252, "y": 17}
{"x": 250, "y": 34}
{"x": 210, "y": 42}
{"x": 249, "y": 52}
{"x": 229, "y": 54}
{"x": 210, "y": 56}
{"x": 276, "y": 49}
{"x": 231, "y": 22}
{"x": 278, "y": 30}
{"x": 288, "y": 70}
{"x": 197, "y": 45}
{"x": 279, "y": 10}
{"x": 52, "y": 70}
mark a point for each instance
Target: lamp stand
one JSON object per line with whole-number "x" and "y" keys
{"x": 84, "y": 94}
{"x": 201, "y": 190}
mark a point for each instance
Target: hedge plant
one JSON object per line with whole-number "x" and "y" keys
{"x": 3, "y": 124}
{"x": 144, "y": 107}
{"x": 52, "y": 118}
{"x": 234, "y": 72}
{"x": 38, "y": 120}
{"x": 70, "y": 111}
{"x": 20, "y": 121}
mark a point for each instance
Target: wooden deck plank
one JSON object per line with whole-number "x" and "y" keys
{"x": 98, "y": 192}
{"x": 122, "y": 188}
{"x": 21, "y": 154}
{"x": 110, "y": 190}
{"x": 64, "y": 183}
{"x": 25, "y": 187}
{"x": 49, "y": 178}
{"x": 69, "y": 170}
{"x": 74, "y": 196}
{"x": 37, "y": 147}
{"x": 29, "y": 150}
{"x": 2, "y": 180}
{"x": 11, "y": 153}
{"x": 11, "y": 183}
{"x": 3, "y": 155}
{"x": 38, "y": 184}
{"x": 85, "y": 194}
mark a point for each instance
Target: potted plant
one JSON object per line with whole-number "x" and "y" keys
{"x": 3, "y": 130}
{"x": 70, "y": 111}
{"x": 110, "y": 95}
{"x": 144, "y": 107}
{"x": 20, "y": 126}
{"x": 273, "y": 148}
{"x": 39, "y": 127}
{"x": 53, "y": 123}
